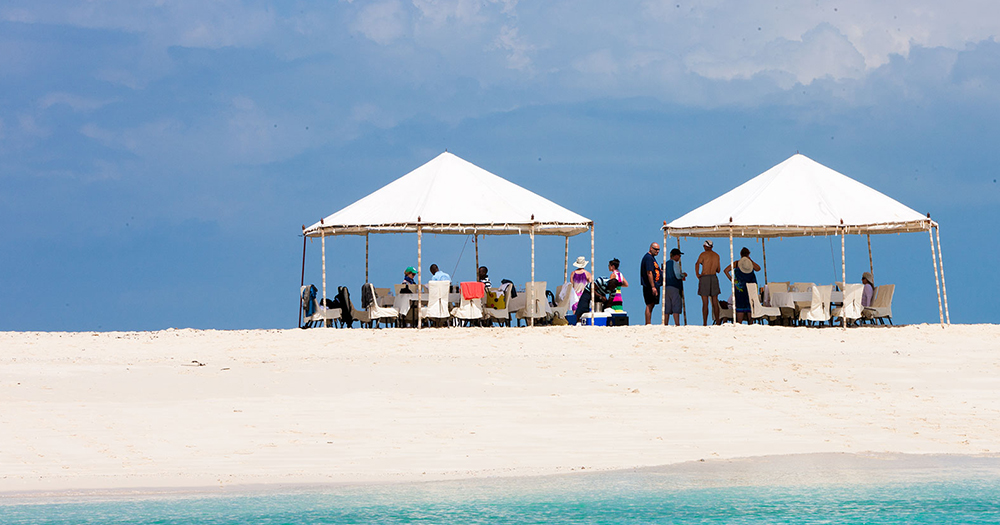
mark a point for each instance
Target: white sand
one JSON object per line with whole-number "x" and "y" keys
{"x": 121, "y": 410}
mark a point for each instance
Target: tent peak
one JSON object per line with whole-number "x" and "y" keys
{"x": 449, "y": 194}
{"x": 799, "y": 196}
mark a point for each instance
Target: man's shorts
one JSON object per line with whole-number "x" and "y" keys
{"x": 708, "y": 285}
{"x": 649, "y": 296}
{"x": 672, "y": 300}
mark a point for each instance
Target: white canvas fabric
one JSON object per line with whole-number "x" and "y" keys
{"x": 451, "y": 195}
{"x": 796, "y": 198}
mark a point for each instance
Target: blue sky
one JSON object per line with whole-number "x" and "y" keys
{"x": 157, "y": 159}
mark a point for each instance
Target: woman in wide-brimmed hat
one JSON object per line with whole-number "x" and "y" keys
{"x": 580, "y": 277}
{"x": 742, "y": 273}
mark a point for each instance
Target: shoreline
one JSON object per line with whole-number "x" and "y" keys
{"x": 809, "y": 469}
{"x": 191, "y": 408}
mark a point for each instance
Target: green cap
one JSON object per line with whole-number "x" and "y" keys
{"x": 410, "y": 269}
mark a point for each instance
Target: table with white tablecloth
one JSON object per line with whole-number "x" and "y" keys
{"x": 402, "y": 303}
{"x": 788, "y": 299}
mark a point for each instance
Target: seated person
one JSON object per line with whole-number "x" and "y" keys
{"x": 484, "y": 276}
{"x": 866, "y": 296}
{"x": 408, "y": 274}
{"x": 603, "y": 297}
{"x": 438, "y": 275}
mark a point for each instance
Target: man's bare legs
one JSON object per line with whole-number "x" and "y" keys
{"x": 716, "y": 309}
{"x": 649, "y": 312}
{"x": 704, "y": 309}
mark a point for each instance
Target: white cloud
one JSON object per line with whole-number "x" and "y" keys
{"x": 599, "y": 63}
{"x": 75, "y": 102}
{"x": 31, "y": 127}
{"x": 383, "y": 22}
{"x": 822, "y": 52}
{"x": 516, "y": 47}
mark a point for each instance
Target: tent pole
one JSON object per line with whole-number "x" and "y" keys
{"x": 302, "y": 282}
{"x": 322, "y": 237}
{"x": 475, "y": 240}
{"x": 684, "y": 309}
{"x": 763, "y": 253}
{"x": 937, "y": 281}
{"x": 593, "y": 301}
{"x": 531, "y": 296}
{"x": 420, "y": 273}
{"x": 566, "y": 262}
{"x": 871, "y": 263}
{"x": 843, "y": 277}
{"x": 663, "y": 269}
{"x": 366, "y": 257}
{"x": 732, "y": 282}
{"x": 944, "y": 287}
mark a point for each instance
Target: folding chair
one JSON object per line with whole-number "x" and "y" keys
{"x": 436, "y": 310}
{"x": 851, "y": 309}
{"x": 376, "y": 313}
{"x": 881, "y": 307}
{"x": 535, "y": 306}
{"x": 759, "y": 312}
{"x": 818, "y": 310}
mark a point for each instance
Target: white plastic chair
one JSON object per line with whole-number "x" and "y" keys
{"x": 437, "y": 302}
{"x": 801, "y": 287}
{"x": 385, "y": 297}
{"x": 376, "y": 313}
{"x": 757, "y": 310}
{"x": 501, "y": 315}
{"x": 881, "y": 307}
{"x": 818, "y": 310}
{"x": 469, "y": 309}
{"x": 564, "y": 298}
{"x": 535, "y": 306}
{"x": 851, "y": 309}
{"x": 322, "y": 315}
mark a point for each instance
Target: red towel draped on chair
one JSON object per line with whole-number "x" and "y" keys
{"x": 473, "y": 290}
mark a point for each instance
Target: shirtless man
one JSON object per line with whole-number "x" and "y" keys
{"x": 707, "y": 269}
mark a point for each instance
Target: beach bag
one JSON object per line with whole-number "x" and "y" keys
{"x": 496, "y": 299}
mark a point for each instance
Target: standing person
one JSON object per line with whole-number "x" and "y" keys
{"x": 707, "y": 269}
{"x": 743, "y": 274}
{"x": 438, "y": 275}
{"x": 616, "y": 302}
{"x": 580, "y": 277}
{"x": 673, "y": 287}
{"x": 652, "y": 278}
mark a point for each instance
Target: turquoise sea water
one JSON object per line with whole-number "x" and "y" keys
{"x": 646, "y": 496}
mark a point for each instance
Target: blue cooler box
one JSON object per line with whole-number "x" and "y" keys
{"x": 598, "y": 319}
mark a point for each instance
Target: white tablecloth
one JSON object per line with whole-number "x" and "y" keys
{"x": 403, "y": 301}
{"x": 788, "y": 299}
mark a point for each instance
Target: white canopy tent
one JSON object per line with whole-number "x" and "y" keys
{"x": 801, "y": 197}
{"x": 449, "y": 195}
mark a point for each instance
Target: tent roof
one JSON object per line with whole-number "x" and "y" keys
{"x": 799, "y": 197}
{"x": 451, "y": 195}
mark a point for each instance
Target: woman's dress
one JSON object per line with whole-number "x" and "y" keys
{"x": 740, "y": 280}
{"x": 579, "y": 280}
{"x": 616, "y": 303}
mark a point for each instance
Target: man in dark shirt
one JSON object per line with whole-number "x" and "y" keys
{"x": 651, "y": 279}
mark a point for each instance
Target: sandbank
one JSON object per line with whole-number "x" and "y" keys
{"x": 204, "y": 408}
